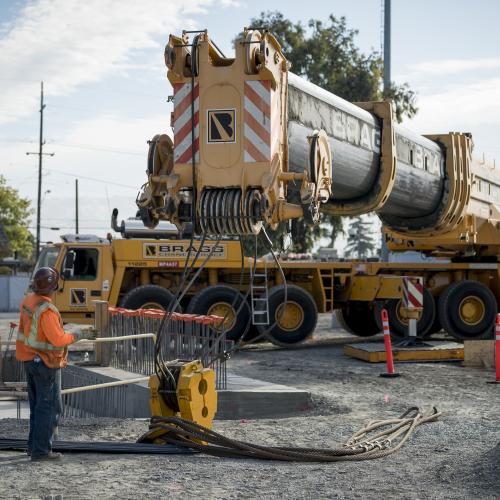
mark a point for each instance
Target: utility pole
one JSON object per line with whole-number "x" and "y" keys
{"x": 384, "y": 251}
{"x": 387, "y": 45}
{"x": 76, "y": 206}
{"x": 40, "y": 155}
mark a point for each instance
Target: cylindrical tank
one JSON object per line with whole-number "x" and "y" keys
{"x": 355, "y": 135}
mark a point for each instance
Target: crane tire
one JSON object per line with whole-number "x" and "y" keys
{"x": 436, "y": 326}
{"x": 296, "y": 322}
{"x": 218, "y": 300}
{"x": 399, "y": 326}
{"x": 253, "y": 336}
{"x": 467, "y": 310}
{"x": 358, "y": 318}
{"x": 148, "y": 297}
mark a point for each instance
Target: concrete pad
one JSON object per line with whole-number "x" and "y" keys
{"x": 9, "y": 408}
{"x": 251, "y": 398}
{"x": 479, "y": 353}
{"x": 374, "y": 352}
{"x": 243, "y": 398}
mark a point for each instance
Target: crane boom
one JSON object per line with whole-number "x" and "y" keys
{"x": 248, "y": 133}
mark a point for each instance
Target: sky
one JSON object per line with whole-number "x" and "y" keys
{"x": 106, "y": 89}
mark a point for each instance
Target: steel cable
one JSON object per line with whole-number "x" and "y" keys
{"x": 360, "y": 446}
{"x": 265, "y": 333}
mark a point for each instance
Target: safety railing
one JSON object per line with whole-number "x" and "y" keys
{"x": 10, "y": 369}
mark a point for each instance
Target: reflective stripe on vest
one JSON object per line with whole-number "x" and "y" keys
{"x": 28, "y": 311}
{"x": 31, "y": 339}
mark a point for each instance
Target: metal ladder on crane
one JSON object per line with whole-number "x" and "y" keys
{"x": 259, "y": 297}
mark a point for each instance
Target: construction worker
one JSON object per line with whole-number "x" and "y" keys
{"x": 42, "y": 345}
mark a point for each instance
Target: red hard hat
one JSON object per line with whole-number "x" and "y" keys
{"x": 45, "y": 280}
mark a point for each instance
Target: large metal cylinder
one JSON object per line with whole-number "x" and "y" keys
{"x": 355, "y": 140}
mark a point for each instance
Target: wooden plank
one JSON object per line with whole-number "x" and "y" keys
{"x": 374, "y": 352}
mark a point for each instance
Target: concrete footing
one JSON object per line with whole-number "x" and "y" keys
{"x": 479, "y": 353}
{"x": 243, "y": 398}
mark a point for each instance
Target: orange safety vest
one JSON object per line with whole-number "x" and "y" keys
{"x": 32, "y": 340}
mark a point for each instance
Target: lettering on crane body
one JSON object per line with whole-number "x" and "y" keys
{"x": 355, "y": 131}
{"x": 180, "y": 250}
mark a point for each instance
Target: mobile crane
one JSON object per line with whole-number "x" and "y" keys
{"x": 144, "y": 267}
{"x": 246, "y": 130}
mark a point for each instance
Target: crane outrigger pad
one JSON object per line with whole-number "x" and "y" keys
{"x": 374, "y": 352}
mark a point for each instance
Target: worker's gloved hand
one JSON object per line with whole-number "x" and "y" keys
{"x": 84, "y": 335}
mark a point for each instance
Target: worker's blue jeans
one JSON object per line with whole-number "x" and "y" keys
{"x": 44, "y": 394}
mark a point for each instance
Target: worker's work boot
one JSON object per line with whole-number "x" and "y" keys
{"x": 52, "y": 455}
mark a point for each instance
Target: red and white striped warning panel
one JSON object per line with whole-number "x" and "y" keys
{"x": 385, "y": 322}
{"x": 413, "y": 292}
{"x": 261, "y": 121}
{"x": 185, "y": 116}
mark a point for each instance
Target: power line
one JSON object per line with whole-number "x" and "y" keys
{"x": 69, "y": 218}
{"x": 54, "y": 228}
{"x": 95, "y": 148}
{"x": 86, "y": 177}
{"x": 91, "y": 178}
{"x": 87, "y": 87}
{"x": 90, "y": 147}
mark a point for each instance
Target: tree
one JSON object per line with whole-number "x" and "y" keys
{"x": 14, "y": 214}
{"x": 329, "y": 57}
{"x": 326, "y": 54}
{"x": 360, "y": 242}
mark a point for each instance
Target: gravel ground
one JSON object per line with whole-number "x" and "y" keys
{"x": 457, "y": 457}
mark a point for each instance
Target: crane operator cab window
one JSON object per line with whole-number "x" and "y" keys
{"x": 80, "y": 264}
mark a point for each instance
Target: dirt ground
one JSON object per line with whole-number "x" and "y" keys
{"x": 457, "y": 457}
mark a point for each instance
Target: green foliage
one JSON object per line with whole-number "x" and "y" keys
{"x": 360, "y": 244}
{"x": 403, "y": 99}
{"x": 15, "y": 213}
{"x": 326, "y": 54}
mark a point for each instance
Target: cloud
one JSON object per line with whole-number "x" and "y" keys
{"x": 89, "y": 152}
{"x": 444, "y": 67}
{"x": 457, "y": 94}
{"x": 70, "y": 42}
{"x": 460, "y": 107}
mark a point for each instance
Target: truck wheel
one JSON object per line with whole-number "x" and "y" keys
{"x": 358, "y": 318}
{"x": 218, "y": 300}
{"x": 148, "y": 297}
{"x": 436, "y": 325}
{"x": 399, "y": 325}
{"x": 467, "y": 310}
{"x": 254, "y": 336}
{"x": 294, "y": 321}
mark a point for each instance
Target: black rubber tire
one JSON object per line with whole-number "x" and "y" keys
{"x": 436, "y": 326}
{"x": 206, "y": 298}
{"x": 398, "y": 328}
{"x": 141, "y": 295}
{"x": 358, "y": 318}
{"x": 449, "y": 315}
{"x": 253, "y": 336}
{"x": 303, "y": 299}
